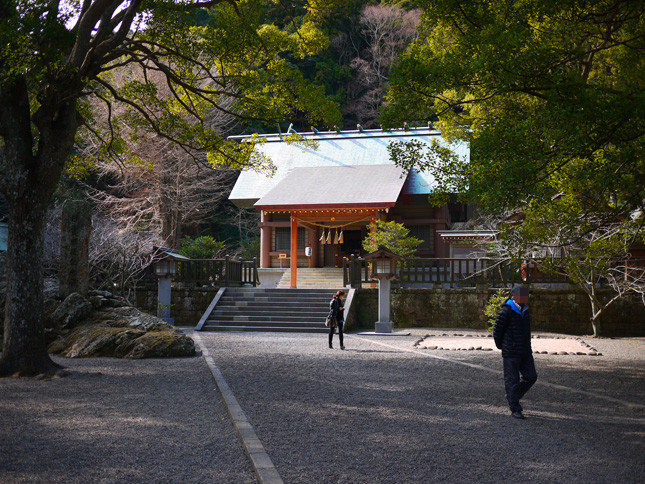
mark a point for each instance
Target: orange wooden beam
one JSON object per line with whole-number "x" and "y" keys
{"x": 294, "y": 251}
{"x": 336, "y": 215}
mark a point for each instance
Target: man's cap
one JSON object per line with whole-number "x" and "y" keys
{"x": 519, "y": 291}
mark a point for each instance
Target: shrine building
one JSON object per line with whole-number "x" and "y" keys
{"x": 316, "y": 206}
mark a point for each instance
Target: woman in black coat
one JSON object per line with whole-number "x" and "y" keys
{"x": 336, "y": 308}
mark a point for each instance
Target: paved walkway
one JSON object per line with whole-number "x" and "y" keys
{"x": 384, "y": 411}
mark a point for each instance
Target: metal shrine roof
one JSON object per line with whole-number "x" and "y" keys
{"x": 379, "y": 186}
{"x": 341, "y": 149}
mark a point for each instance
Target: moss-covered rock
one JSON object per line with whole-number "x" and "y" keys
{"x": 130, "y": 317}
{"x": 155, "y": 344}
{"x": 73, "y": 310}
{"x": 110, "y": 328}
{"x": 99, "y": 340}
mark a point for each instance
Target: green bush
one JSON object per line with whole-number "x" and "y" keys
{"x": 392, "y": 235}
{"x": 250, "y": 249}
{"x": 493, "y": 306}
{"x": 204, "y": 247}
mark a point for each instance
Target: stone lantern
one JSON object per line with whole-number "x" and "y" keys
{"x": 384, "y": 269}
{"x": 166, "y": 266}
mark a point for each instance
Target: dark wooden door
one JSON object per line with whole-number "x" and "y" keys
{"x": 331, "y": 252}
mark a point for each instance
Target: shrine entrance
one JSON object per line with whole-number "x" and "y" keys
{"x": 352, "y": 244}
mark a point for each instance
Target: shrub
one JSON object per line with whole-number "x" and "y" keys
{"x": 493, "y": 306}
{"x": 392, "y": 235}
{"x": 204, "y": 247}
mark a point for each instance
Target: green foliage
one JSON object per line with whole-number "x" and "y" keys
{"x": 549, "y": 94}
{"x": 493, "y": 307}
{"x": 250, "y": 249}
{"x": 393, "y": 235}
{"x": 79, "y": 168}
{"x": 204, "y": 247}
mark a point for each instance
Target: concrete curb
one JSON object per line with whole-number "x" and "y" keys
{"x": 260, "y": 460}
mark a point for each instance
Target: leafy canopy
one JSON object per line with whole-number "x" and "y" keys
{"x": 71, "y": 51}
{"x": 548, "y": 93}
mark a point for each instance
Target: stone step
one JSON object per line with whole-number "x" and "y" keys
{"x": 285, "y": 318}
{"x": 256, "y": 311}
{"x": 332, "y": 287}
{"x": 259, "y": 290}
{"x": 281, "y": 295}
{"x": 260, "y": 306}
{"x": 272, "y": 309}
{"x": 291, "y": 303}
{"x": 266, "y": 329}
{"x": 276, "y": 323}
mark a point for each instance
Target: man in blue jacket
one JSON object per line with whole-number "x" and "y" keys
{"x": 512, "y": 334}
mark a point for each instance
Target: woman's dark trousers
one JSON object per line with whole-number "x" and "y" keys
{"x": 517, "y": 386}
{"x": 340, "y": 333}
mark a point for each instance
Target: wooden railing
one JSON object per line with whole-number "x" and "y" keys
{"x": 218, "y": 272}
{"x": 453, "y": 271}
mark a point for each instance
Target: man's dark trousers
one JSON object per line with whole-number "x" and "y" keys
{"x": 517, "y": 386}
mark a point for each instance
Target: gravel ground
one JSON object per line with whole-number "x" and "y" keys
{"x": 377, "y": 413}
{"x": 111, "y": 420}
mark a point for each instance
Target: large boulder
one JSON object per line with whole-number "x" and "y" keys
{"x": 132, "y": 318}
{"x": 155, "y": 344}
{"x": 72, "y": 311}
{"x": 98, "y": 340}
{"x": 111, "y": 328}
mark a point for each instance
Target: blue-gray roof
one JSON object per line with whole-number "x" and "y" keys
{"x": 347, "y": 148}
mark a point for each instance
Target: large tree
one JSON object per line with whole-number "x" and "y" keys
{"x": 56, "y": 54}
{"x": 550, "y": 96}
{"x": 549, "y": 93}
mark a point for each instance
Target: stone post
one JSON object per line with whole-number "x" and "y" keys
{"x": 76, "y": 229}
{"x": 164, "y": 298}
{"x": 383, "y": 325}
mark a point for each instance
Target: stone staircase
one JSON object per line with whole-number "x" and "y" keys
{"x": 314, "y": 278}
{"x": 287, "y": 310}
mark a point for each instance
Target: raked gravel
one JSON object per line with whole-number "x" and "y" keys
{"x": 119, "y": 421}
{"x": 376, "y": 413}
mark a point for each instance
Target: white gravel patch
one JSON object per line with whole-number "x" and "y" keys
{"x": 542, "y": 344}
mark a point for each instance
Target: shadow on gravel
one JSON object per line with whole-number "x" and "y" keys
{"x": 354, "y": 350}
{"x": 367, "y": 415}
{"x": 119, "y": 421}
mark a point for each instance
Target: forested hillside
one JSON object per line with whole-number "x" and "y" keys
{"x": 145, "y": 181}
{"x": 148, "y": 155}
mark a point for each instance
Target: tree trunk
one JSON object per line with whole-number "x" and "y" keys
{"x": 595, "y": 313}
{"x": 28, "y": 182}
{"x": 595, "y": 324}
{"x": 24, "y": 352}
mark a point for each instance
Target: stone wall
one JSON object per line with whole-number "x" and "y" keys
{"x": 556, "y": 310}
{"x": 187, "y": 305}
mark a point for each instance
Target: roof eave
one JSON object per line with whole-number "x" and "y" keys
{"x": 324, "y": 206}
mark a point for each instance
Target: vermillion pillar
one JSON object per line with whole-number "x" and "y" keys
{"x": 265, "y": 240}
{"x": 294, "y": 251}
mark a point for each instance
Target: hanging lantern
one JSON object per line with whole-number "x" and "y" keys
{"x": 340, "y": 237}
